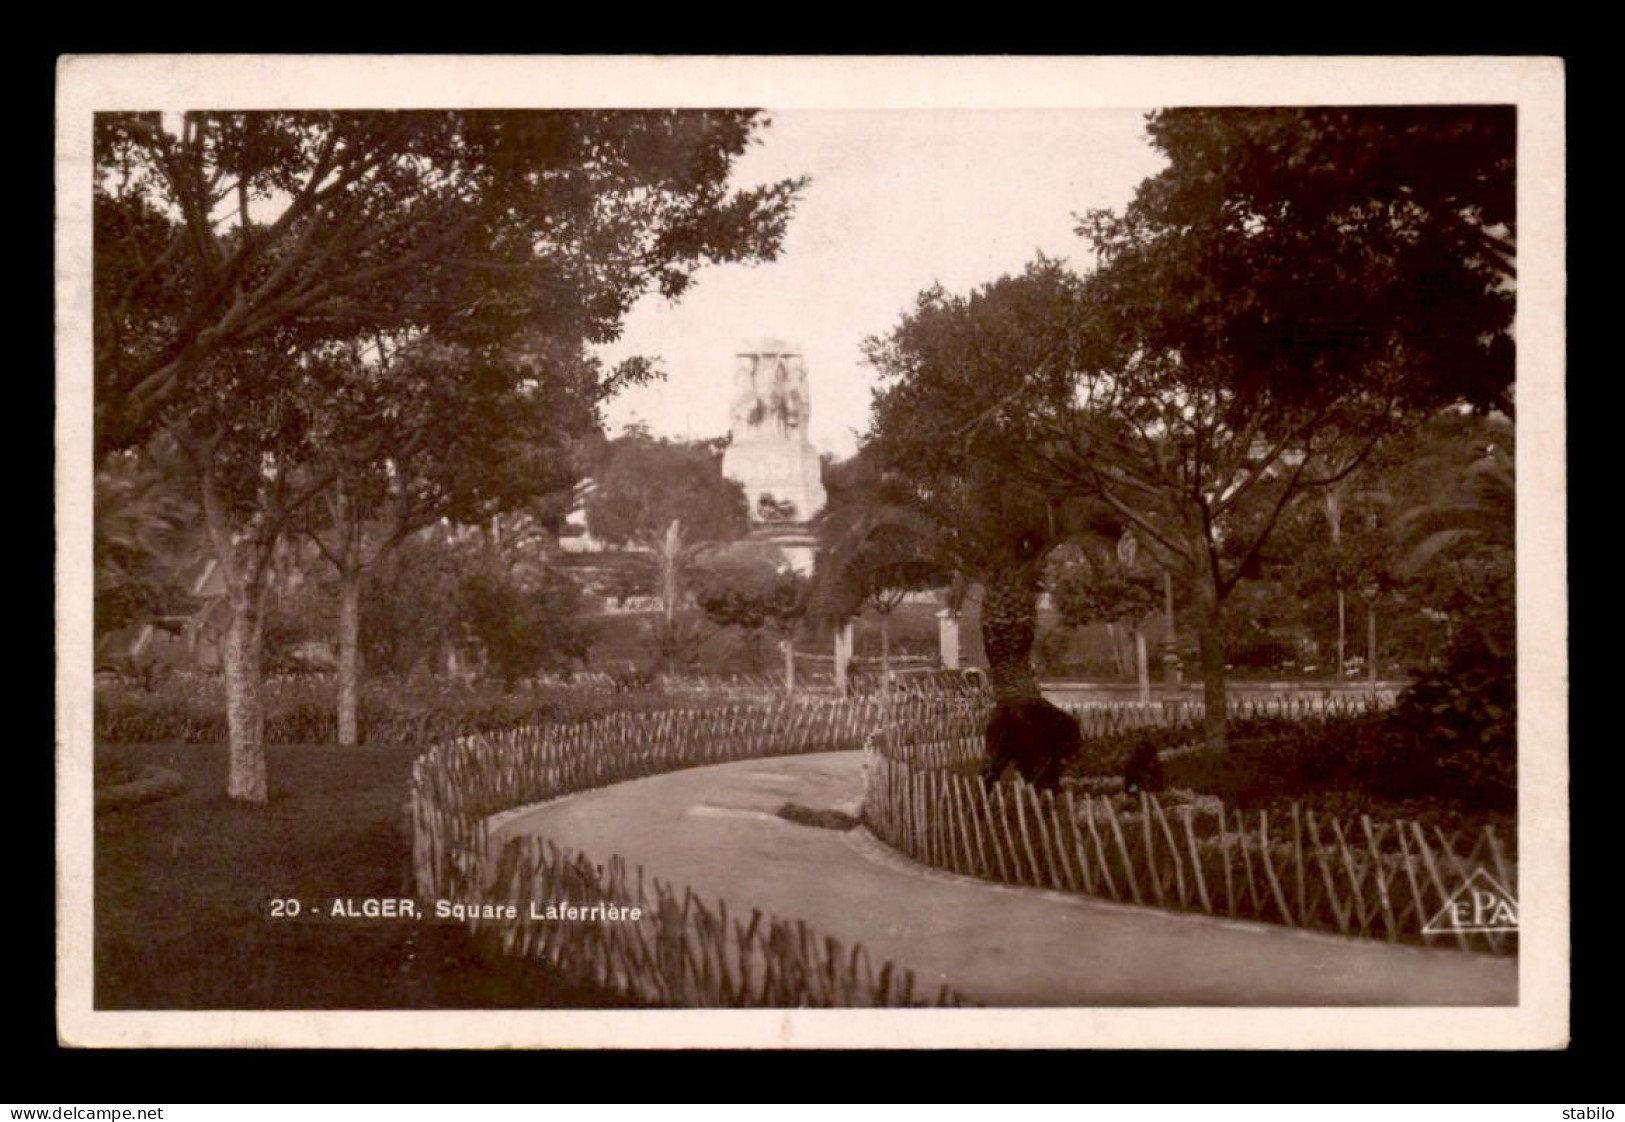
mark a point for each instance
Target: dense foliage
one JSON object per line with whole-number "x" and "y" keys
{"x": 642, "y": 484}
{"x": 224, "y": 230}
{"x": 390, "y": 310}
{"x": 395, "y": 712}
{"x": 752, "y": 596}
{"x": 1295, "y": 286}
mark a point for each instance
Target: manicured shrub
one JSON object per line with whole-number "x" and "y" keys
{"x": 302, "y": 709}
{"x": 1108, "y": 754}
{"x": 1144, "y": 770}
{"x": 1384, "y": 756}
{"x": 1035, "y": 735}
{"x": 1463, "y": 718}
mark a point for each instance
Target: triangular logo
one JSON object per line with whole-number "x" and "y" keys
{"x": 1482, "y": 904}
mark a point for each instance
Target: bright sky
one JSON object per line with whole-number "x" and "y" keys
{"x": 898, "y": 200}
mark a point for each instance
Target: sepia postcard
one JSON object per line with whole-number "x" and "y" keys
{"x": 811, "y": 552}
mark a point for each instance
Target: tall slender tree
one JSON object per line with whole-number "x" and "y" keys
{"x": 428, "y": 431}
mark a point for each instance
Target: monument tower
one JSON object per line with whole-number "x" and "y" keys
{"x": 770, "y": 454}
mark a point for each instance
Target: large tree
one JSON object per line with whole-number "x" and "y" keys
{"x": 219, "y": 229}
{"x": 937, "y": 428}
{"x": 751, "y": 594}
{"x": 1288, "y": 291}
{"x": 237, "y": 251}
{"x": 936, "y": 446}
{"x": 433, "y": 431}
{"x": 1294, "y": 286}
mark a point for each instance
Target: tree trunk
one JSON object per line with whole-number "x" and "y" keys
{"x": 1009, "y": 626}
{"x": 245, "y": 715}
{"x": 1142, "y": 666}
{"x": 243, "y": 571}
{"x": 885, "y": 647}
{"x": 349, "y": 655}
{"x": 843, "y": 655}
{"x": 1215, "y": 700}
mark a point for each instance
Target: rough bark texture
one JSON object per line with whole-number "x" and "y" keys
{"x": 1009, "y": 625}
{"x": 245, "y": 715}
{"x": 240, "y": 651}
{"x": 349, "y": 656}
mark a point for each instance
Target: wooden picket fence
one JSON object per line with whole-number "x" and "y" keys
{"x": 1374, "y": 879}
{"x": 680, "y": 951}
{"x": 683, "y": 951}
{"x": 950, "y": 736}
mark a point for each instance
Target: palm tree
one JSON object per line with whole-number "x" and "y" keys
{"x": 883, "y": 529}
{"x": 873, "y": 556}
{"x": 146, "y": 534}
{"x": 1478, "y": 509}
{"x": 1465, "y": 534}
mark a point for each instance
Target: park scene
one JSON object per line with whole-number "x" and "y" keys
{"x": 594, "y": 559}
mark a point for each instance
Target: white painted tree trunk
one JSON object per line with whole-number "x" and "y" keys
{"x": 948, "y": 638}
{"x": 843, "y": 656}
{"x": 245, "y": 714}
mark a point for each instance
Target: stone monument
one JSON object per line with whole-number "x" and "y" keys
{"x": 770, "y": 454}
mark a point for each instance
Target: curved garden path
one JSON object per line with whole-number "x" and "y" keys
{"x": 716, "y": 830}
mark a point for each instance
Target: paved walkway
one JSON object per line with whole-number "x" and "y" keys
{"x": 716, "y": 830}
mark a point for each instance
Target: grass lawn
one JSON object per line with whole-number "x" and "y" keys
{"x": 183, "y": 885}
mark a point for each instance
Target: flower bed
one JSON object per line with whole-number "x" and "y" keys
{"x": 303, "y": 709}
{"x": 1350, "y": 871}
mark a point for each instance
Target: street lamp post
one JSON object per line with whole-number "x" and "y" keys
{"x": 1171, "y": 674}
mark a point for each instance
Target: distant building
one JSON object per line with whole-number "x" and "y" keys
{"x": 189, "y": 640}
{"x": 575, "y": 537}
